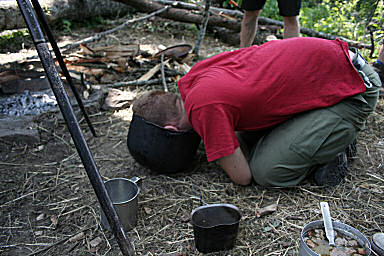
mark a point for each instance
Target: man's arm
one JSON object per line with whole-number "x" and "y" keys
{"x": 237, "y": 168}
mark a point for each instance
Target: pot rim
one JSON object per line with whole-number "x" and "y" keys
{"x": 216, "y": 205}
{"x": 162, "y": 128}
{"x": 130, "y": 181}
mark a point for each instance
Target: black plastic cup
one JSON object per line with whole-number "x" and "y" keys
{"x": 161, "y": 150}
{"x": 215, "y": 227}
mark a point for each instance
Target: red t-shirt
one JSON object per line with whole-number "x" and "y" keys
{"x": 260, "y": 86}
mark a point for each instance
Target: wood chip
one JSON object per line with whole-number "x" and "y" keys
{"x": 150, "y": 73}
{"x": 147, "y": 210}
{"x": 38, "y": 233}
{"x": 95, "y": 242}
{"x": 77, "y": 237}
{"x": 266, "y": 210}
{"x": 54, "y": 220}
{"x": 40, "y": 217}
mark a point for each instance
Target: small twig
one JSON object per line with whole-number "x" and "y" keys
{"x": 133, "y": 83}
{"x": 57, "y": 243}
{"x": 371, "y": 36}
{"x": 203, "y": 28}
{"x": 375, "y": 176}
{"x": 163, "y": 74}
{"x": 371, "y": 14}
{"x": 21, "y": 197}
{"x": 312, "y": 193}
{"x": 75, "y": 210}
{"x": 35, "y": 165}
{"x": 54, "y": 135}
{"x": 102, "y": 34}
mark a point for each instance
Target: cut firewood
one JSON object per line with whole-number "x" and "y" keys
{"x": 116, "y": 51}
{"x": 266, "y": 210}
{"x": 151, "y": 72}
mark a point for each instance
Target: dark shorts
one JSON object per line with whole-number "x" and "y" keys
{"x": 287, "y": 8}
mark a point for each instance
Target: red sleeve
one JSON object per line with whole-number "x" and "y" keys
{"x": 215, "y": 123}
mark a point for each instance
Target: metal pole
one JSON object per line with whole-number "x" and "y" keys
{"x": 74, "y": 128}
{"x": 40, "y": 14}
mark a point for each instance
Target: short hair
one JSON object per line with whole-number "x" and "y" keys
{"x": 158, "y": 107}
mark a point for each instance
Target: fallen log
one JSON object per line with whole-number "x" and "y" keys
{"x": 10, "y": 16}
{"x": 182, "y": 15}
{"x": 190, "y": 13}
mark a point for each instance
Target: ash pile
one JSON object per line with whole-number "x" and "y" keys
{"x": 25, "y": 92}
{"x": 28, "y": 103}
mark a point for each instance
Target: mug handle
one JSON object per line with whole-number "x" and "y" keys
{"x": 136, "y": 180}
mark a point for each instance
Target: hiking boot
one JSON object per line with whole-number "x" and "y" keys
{"x": 351, "y": 151}
{"x": 378, "y": 243}
{"x": 333, "y": 173}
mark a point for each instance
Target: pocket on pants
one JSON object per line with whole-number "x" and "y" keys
{"x": 314, "y": 128}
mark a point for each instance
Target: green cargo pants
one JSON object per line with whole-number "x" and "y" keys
{"x": 287, "y": 154}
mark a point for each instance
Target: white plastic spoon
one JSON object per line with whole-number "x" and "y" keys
{"x": 329, "y": 232}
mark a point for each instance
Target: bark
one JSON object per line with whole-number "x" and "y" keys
{"x": 190, "y": 13}
{"x": 182, "y": 15}
{"x": 11, "y": 18}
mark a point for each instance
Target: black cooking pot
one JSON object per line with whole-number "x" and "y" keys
{"x": 161, "y": 150}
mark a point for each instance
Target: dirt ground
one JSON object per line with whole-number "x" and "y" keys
{"x": 46, "y": 197}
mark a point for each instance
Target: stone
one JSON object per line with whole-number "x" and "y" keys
{"x": 17, "y": 82}
{"x": 117, "y": 99}
{"x": 20, "y": 130}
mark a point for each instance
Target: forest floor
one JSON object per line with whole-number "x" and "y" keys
{"x": 46, "y": 197}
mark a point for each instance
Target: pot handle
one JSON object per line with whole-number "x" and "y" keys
{"x": 136, "y": 180}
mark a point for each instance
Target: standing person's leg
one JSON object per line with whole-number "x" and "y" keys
{"x": 291, "y": 26}
{"x": 252, "y": 9}
{"x": 381, "y": 53}
{"x": 290, "y": 10}
{"x": 249, "y": 28}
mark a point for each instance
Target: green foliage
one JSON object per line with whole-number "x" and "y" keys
{"x": 271, "y": 10}
{"x": 351, "y": 19}
{"x": 66, "y": 25}
{"x": 14, "y": 40}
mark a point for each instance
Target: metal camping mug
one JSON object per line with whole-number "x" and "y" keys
{"x": 123, "y": 193}
{"x": 215, "y": 227}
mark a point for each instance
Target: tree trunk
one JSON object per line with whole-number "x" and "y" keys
{"x": 11, "y": 18}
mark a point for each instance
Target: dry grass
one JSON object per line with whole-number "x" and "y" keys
{"x": 33, "y": 182}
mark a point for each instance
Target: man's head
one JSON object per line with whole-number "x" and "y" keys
{"x": 162, "y": 108}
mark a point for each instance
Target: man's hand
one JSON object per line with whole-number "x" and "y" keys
{"x": 237, "y": 168}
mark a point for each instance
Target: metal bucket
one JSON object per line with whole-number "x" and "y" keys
{"x": 215, "y": 227}
{"x": 124, "y": 196}
{"x": 339, "y": 227}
